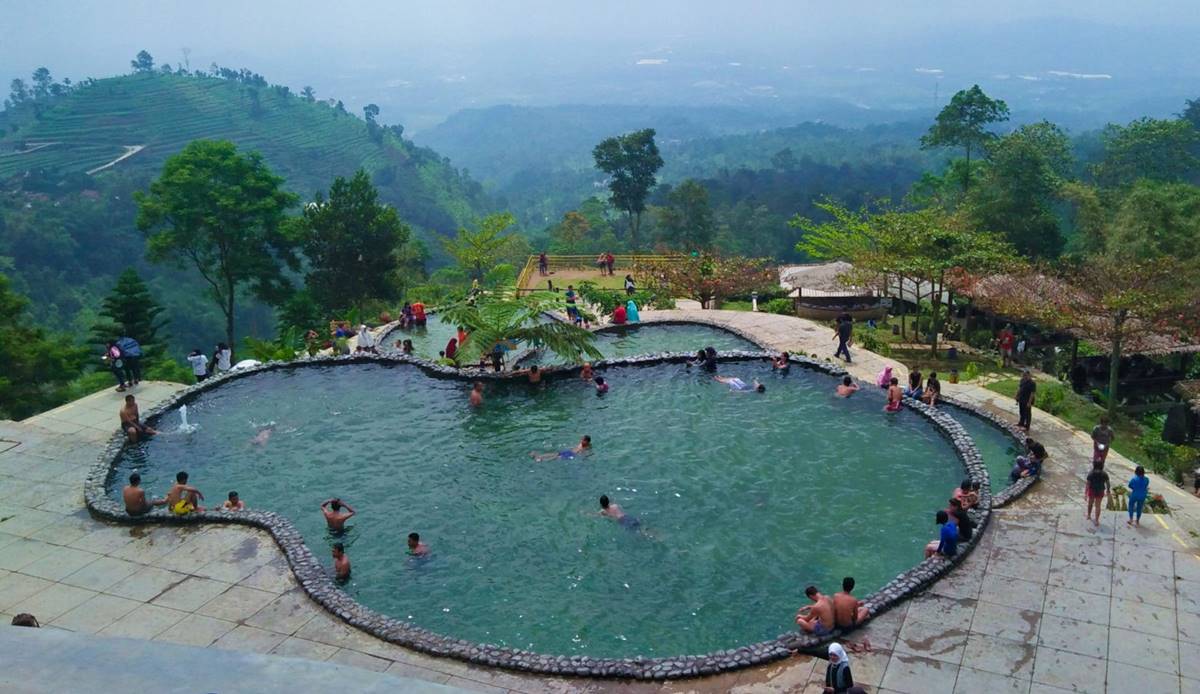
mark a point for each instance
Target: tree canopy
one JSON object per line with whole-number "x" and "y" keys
{"x": 477, "y": 251}
{"x": 34, "y": 367}
{"x": 707, "y": 277}
{"x": 130, "y": 310}
{"x": 1162, "y": 150}
{"x": 353, "y": 245}
{"x": 221, "y": 211}
{"x": 512, "y": 321}
{"x": 963, "y": 123}
{"x": 631, "y": 162}
{"x": 686, "y": 221}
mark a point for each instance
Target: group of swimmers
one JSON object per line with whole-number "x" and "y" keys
{"x": 927, "y": 391}
{"x": 336, "y": 513}
{"x": 180, "y": 500}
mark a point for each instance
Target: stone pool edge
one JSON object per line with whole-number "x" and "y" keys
{"x": 317, "y": 583}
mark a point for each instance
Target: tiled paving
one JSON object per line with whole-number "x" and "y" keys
{"x": 1045, "y": 604}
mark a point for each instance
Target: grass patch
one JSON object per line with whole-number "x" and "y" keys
{"x": 924, "y": 360}
{"x": 1081, "y": 413}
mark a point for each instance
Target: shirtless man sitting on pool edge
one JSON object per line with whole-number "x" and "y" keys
{"x": 817, "y": 618}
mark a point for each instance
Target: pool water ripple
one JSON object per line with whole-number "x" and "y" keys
{"x": 743, "y": 498}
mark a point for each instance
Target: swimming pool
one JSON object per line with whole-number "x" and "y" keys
{"x": 648, "y": 338}
{"x": 996, "y": 446}
{"x": 743, "y": 498}
{"x": 427, "y": 340}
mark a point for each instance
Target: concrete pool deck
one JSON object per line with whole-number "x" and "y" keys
{"x": 1044, "y": 604}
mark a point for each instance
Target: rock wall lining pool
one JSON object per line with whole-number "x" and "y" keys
{"x": 316, "y": 582}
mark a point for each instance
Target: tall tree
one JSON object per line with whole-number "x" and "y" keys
{"x": 41, "y": 82}
{"x": 963, "y": 123}
{"x": 569, "y": 237}
{"x": 478, "y": 251}
{"x": 143, "y": 62}
{"x": 631, "y": 162}
{"x": 370, "y": 112}
{"x": 686, "y": 221}
{"x": 352, "y": 243}
{"x": 34, "y": 368}
{"x": 1018, "y": 191}
{"x": 1161, "y": 150}
{"x": 308, "y": 94}
{"x": 221, "y": 211}
{"x": 130, "y": 309}
{"x": 706, "y": 277}
{"x": 1157, "y": 219}
{"x": 18, "y": 91}
{"x": 1191, "y": 113}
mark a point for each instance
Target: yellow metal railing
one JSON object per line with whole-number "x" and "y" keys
{"x": 624, "y": 261}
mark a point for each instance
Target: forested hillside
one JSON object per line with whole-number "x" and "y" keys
{"x": 66, "y": 195}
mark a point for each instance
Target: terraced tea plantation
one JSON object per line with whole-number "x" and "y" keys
{"x": 307, "y": 143}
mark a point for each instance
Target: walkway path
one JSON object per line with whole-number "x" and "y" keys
{"x": 130, "y": 150}
{"x": 1043, "y": 605}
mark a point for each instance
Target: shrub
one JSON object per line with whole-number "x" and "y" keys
{"x": 1052, "y": 398}
{"x": 782, "y": 306}
{"x": 980, "y": 339}
{"x": 869, "y": 339}
{"x": 971, "y": 371}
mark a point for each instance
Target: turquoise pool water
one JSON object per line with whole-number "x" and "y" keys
{"x": 427, "y": 340}
{"x": 997, "y": 447}
{"x": 632, "y": 340}
{"x": 743, "y": 498}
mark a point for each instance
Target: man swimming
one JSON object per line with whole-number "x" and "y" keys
{"x": 415, "y": 547}
{"x": 585, "y": 373}
{"x": 336, "y": 514}
{"x": 534, "y": 374}
{"x": 183, "y": 499}
{"x": 136, "y": 503}
{"x": 263, "y": 435}
{"x": 847, "y": 387}
{"x": 584, "y": 446}
{"x": 601, "y": 386}
{"x": 476, "y": 398}
{"x": 611, "y": 510}
{"x": 737, "y": 385}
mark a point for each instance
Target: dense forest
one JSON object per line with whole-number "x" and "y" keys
{"x": 67, "y": 229}
{"x": 101, "y": 197}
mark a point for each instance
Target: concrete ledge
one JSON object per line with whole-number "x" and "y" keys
{"x": 54, "y": 661}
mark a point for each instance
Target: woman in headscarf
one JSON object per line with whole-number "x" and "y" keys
{"x": 838, "y": 679}
{"x": 885, "y": 378}
{"x": 631, "y": 311}
{"x": 452, "y": 348}
{"x": 366, "y": 341}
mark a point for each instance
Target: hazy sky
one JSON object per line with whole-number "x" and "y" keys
{"x": 427, "y": 59}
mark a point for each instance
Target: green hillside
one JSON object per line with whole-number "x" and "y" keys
{"x": 65, "y": 233}
{"x": 308, "y": 143}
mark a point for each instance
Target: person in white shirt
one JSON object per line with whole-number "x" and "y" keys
{"x": 199, "y": 365}
{"x": 222, "y": 357}
{"x": 366, "y": 341}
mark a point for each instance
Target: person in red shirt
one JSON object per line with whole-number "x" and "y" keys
{"x": 610, "y": 261}
{"x": 1006, "y": 343}
{"x": 418, "y": 310}
{"x": 619, "y": 315}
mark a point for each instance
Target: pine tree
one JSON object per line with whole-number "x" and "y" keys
{"x": 130, "y": 310}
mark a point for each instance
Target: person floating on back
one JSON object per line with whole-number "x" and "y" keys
{"x": 583, "y": 447}
{"x": 737, "y": 385}
{"x": 336, "y": 514}
{"x": 184, "y": 498}
{"x": 136, "y": 503}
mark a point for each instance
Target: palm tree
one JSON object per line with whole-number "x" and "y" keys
{"x": 510, "y": 320}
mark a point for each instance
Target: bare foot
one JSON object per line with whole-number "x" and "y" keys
{"x": 1129, "y": 522}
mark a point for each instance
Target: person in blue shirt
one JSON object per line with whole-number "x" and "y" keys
{"x": 1139, "y": 489}
{"x": 947, "y": 544}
